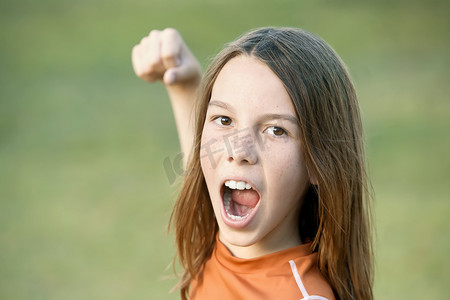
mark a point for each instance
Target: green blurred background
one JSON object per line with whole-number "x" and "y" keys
{"x": 84, "y": 194}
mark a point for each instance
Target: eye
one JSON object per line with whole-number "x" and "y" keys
{"x": 276, "y": 131}
{"x": 223, "y": 120}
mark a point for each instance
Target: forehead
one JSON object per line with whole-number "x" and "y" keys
{"x": 245, "y": 82}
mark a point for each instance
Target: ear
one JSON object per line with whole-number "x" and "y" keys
{"x": 313, "y": 179}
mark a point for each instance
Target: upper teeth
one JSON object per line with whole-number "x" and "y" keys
{"x": 239, "y": 185}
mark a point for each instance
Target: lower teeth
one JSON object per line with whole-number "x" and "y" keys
{"x": 226, "y": 203}
{"x": 238, "y": 218}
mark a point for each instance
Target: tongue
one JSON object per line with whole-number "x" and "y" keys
{"x": 247, "y": 198}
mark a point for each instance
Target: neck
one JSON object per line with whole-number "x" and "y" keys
{"x": 271, "y": 243}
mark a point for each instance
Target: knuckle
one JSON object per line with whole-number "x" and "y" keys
{"x": 144, "y": 40}
{"x": 170, "y": 36}
{"x": 154, "y": 33}
{"x": 170, "y": 32}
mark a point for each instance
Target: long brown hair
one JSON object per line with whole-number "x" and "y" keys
{"x": 336, "y": 212}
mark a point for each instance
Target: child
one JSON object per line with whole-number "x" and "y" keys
{"x": 274, "y": 204}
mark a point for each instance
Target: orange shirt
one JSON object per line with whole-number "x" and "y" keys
{"x": 291, "y": 274}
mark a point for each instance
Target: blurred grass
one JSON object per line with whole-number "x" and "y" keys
{"x": 84, "y": 197}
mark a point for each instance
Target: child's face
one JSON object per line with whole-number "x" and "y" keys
{"x": 251, "y": 136}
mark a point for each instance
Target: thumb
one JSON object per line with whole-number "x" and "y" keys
{"x": 170, "y": 76}
{"x": 179, "y": 74}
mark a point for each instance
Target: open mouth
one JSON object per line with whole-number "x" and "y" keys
{"x": 239, "y": 202}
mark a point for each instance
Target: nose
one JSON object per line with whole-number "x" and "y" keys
{"x": 242, "y": 148}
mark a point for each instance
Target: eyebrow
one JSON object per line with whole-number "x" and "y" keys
{"x": 287, "y": 117}
{"x": 221, "y": 104}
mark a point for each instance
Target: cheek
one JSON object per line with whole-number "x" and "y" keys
{"x": 287, "y": 168}
{"x": 213, "y": 148}
{"x": 204, "y": 160}
{"x": 209, "y": 152}
{"x": 284, "y": 158}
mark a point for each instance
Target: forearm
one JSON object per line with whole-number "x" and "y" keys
{"x": 163, "y": 55}
{"x": 182, "y": 99}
